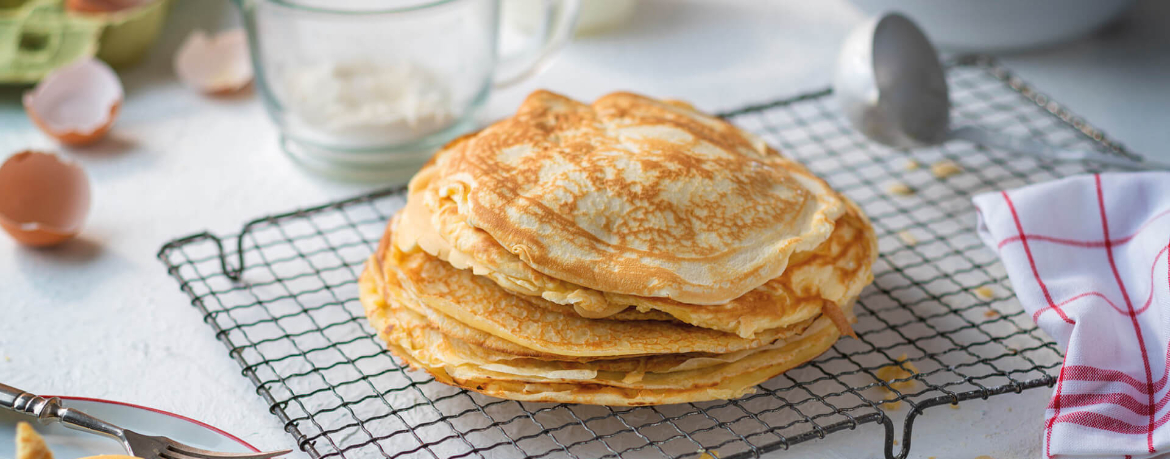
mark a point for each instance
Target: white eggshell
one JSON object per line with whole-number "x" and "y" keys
{"x": 77, "y": 103}
{"x": 216, "y": 64}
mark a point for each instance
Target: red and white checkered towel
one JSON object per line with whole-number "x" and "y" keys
{"x": 1088, "y": 258}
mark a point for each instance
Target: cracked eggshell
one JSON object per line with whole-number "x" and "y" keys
{"x": 77, "y": 103}
{"x": 44, "y": 198}
{"x": 219, "y": 64}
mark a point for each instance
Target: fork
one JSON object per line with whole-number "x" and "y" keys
{"x": 145, "y": 446}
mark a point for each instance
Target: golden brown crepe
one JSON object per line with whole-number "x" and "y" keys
{"x": 29, "y": 444}
{"x": 479, "y": 361}
{"x": 425, "y": 283}
{"x": 625, "y": 252}
{"x": 635, "y": 196}
{"x": 833, "y": 271}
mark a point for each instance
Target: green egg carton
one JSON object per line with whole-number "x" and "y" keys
{"x": 37, "y": 36}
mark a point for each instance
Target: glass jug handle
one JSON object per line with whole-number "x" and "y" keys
{"x": 559, "y": 20}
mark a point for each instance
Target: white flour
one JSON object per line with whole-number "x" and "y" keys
{"x": 365, "y": 103}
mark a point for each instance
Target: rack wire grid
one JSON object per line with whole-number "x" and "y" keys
{"x": 282, "y": 297}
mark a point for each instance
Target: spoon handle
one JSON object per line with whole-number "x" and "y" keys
{"x": 1037, "y": 148}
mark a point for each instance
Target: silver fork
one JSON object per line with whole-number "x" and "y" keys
{"x": 145, "y": 446}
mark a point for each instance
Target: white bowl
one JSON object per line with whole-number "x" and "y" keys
{"x": 1002, "y": 25}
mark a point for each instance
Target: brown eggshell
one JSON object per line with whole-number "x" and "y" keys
{"x": 77, "y": 103}
{"x": 102, "y": 6}
{"x": 44, "y": 199}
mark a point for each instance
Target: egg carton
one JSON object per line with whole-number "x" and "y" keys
{"x": 37, "y": 36}
{"x": 939, "y": 326}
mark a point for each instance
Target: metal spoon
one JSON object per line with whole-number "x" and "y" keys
{"x": 891, "y": 86}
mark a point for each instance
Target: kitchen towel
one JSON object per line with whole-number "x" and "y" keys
{"x": 1088, "y": 258}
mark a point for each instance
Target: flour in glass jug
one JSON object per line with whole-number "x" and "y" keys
{"x": 364, "y": 103}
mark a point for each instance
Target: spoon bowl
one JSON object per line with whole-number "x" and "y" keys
{"x": 891, "y": 86}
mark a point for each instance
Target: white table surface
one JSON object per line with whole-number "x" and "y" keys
{"x": 99, "y": 317}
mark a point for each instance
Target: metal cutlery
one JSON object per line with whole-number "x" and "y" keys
{"x": 891, "y": 87}
{"x": 145, "y": 446}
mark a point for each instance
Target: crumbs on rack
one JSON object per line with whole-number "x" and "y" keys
{"x": 985, "y": 293}
{"x": 900, "y": 189}
{"x": 945, "y": 168}
{"x": 897, "y": 377}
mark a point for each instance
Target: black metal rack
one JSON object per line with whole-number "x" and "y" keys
{"x": 281, "y": 295}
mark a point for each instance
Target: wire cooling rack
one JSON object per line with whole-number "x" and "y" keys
{"x": 281, "y": 296}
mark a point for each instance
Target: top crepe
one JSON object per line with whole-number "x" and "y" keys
{"x": 631, "y": 195}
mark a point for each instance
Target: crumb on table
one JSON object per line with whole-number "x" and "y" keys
{"x": 990, "y": 313}
{"x": 945, "y": 168}
{"x": 900, "y": 189}
{"x": 912, "y": 164}
{"x": 907, "y": 238}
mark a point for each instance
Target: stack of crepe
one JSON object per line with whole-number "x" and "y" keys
{"x": 631, "y": 251}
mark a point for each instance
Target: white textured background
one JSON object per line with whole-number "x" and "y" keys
{"x": 99, "y": 317}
